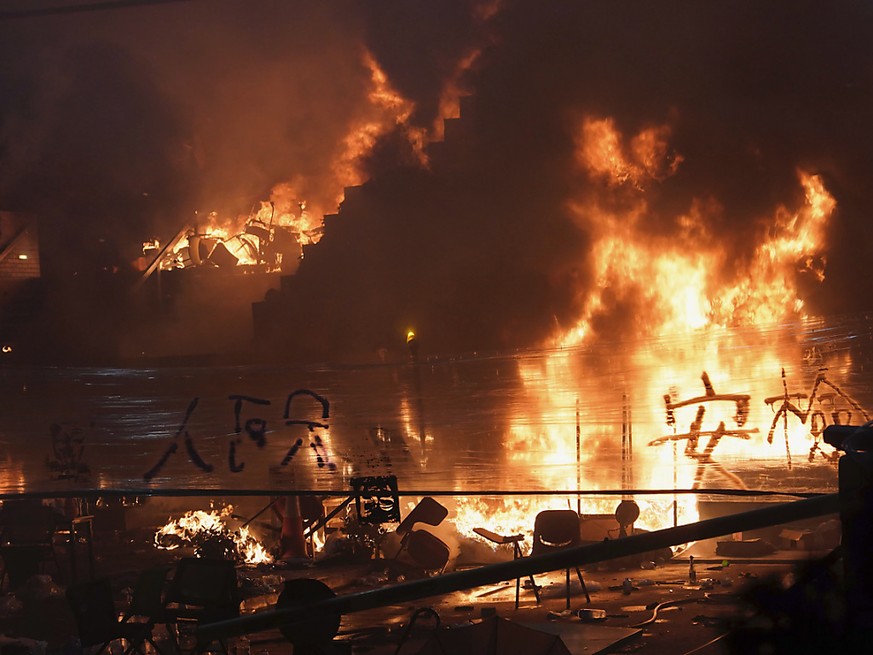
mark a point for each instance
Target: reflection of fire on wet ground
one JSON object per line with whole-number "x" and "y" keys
{"x": 213, "y": 533}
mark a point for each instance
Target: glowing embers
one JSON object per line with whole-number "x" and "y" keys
{"x": 669, "y": 298}
{"x": 209, "y": 533}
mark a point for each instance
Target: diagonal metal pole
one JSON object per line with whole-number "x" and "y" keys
{"x": 569, "y": 557}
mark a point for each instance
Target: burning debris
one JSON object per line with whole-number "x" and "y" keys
{"x": 210, "y": 534}
{"x": 264, "y": 240}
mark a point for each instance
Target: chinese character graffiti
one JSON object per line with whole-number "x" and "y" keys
{"x": 255, "y": 427}
{"x": 837, "y": 405}
{"x": 189, "y": 447}
{"x": 695, "y": 430}
{"x": 68, "y": 449}
{"x": 316, "y": 444}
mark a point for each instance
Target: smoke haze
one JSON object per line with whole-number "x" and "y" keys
{"x": 117, "y": 126}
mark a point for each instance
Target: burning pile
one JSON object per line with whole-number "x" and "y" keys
{"x": 209, "y": 534}
{"x": 270, "y": 237}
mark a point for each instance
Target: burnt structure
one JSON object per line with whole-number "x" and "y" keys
{"x": 472, "y": 252}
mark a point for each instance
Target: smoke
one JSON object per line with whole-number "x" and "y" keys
{"x": 118, "y": 126}
{"x": 751, "y": 94}
{"x": 421, "y": 44}
{"x": 491, "y": 257}
{"x": 196, "y": 108}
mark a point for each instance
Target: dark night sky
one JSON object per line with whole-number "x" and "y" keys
{"x": 117, "y": 125}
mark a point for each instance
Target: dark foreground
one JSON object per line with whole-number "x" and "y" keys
{"x": 640, "y": 609}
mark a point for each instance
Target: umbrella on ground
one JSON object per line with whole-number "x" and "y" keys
{"x": 493, "y": 636}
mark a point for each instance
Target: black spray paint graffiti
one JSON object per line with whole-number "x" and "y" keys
{"x": 256, "y": 429}
{"x": 173, "y": 447}
{"x": 838, "y": 405}
{"x": 316, "y": 444}
{"x": 692, "y": 436}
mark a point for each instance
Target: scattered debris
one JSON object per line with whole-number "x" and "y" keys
{"x": 590, "y": 614}
{"x": 710, "y": 621}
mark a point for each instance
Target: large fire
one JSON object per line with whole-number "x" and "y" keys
{"x": 702, "y": 321}
{"x": 271, "y": 236}
{"x": 273, "y": 233}
{"x": 706, "y": 329}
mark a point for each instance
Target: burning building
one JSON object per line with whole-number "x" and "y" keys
{"x": 625, "y": 240}
{"x": 638, "y": 196}
{"x": 214, "y": 269}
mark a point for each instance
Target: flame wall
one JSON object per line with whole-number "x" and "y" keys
{"x": 471, "y": 425}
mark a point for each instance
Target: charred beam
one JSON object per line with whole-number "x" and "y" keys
{"x": 157, "y": 260}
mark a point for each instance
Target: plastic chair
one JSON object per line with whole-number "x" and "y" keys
{"x": 426, "y": 549}
{"x": 147, "y": 599}
{"x": 515, "y": 540}
{"x": 203, "y": 590}
{"x": 427, "y": 511}
{"x": 79, "y": 532}
{"x": 556, "y": 529}
{"x": 94, "y": 611}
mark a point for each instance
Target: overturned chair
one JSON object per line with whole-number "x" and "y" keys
{"x": 424, "y": 548}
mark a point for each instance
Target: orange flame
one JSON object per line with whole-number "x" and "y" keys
{"x": 388, "y": 109}
{"x": 693, "y": 312}
{"x": 194, "y": 523}
{"x": 300, "y": 203}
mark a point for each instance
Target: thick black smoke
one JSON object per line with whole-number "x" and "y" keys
{"x": 482, "y": 252}
{"x": 752, "y": 91}
{"x": 117, "y": 126}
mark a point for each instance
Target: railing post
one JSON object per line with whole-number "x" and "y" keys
{"x": 856, "y": 516}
